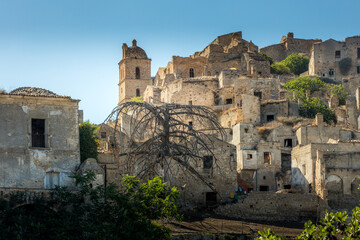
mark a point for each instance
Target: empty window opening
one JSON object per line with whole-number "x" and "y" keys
{"x": 240, "y": 103}
{"x": 358, "y": 53}
{"x": 264, "y": 177}
{"x": 250, "y": 189}
{"x": 191, "y": 72}
{"x": 138, "y": 92}
{"x": 288, "y": 186}
{"x": 103, "y": 134}
{"x": 288, "y": 142}
{"x": 190, "y": 102}
{"x": 331, "y": 72}
{"x": 207, "y": 162}
{"x": 210, "y": 198}
{"x": 137, "y": 73}
{"x": 246, "y": 130}
{"x": 270, "y": 118}
{"x": 263, "y": 188}
{"x": 229, "y": 101}
{"x": 258, "y": 94}
{"x": 358, "y": 69}
{"x": 52, "y": 179}
{"x": 337, "y": 54}
{"x": 267, "y": 157}
{"x": 259, "y": 73}
{"x": 190, "y": 123}
{"x": 249, "y": 156}
{"x": 38, "y": 133}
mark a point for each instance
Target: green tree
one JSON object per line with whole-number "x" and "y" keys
{"x": 279, "y": 68}
{"x": 296, "y": 63}
{"x": 313, "y": 106}
{"x": 94, "y": 213}
{"x": 88, "y": 141}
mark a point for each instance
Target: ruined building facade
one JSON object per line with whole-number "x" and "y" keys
{"x": 268, "y": 144}
{"x": 39, "y": 143}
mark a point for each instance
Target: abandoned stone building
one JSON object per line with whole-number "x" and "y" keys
{"x": 39, "y": 140}
{"x": 289, "y": 45}
{"x": 336, "y": 59}
{"x": 270, "y": 147}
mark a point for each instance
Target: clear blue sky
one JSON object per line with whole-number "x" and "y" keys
{"x": 72, "y": 47}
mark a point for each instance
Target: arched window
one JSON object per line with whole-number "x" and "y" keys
{"x": 137, "y": 70}
{"x": 191, "y": 72}
{"x": 138, "y": 92}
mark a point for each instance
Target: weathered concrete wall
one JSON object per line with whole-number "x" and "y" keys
{"x": 24, "y": 166}
{"x": 275, "y": 207}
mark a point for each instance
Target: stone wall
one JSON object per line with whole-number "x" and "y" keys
{"x": 275, "y": 207}
{"x": 325, "y": 58}
{"x": 25, "y": 166}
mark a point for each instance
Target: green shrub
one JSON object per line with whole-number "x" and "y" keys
{"x": 311, "y": 107}
{"x": 88, "y": 141}
{"x": 339, "y": 91}
{"x": 279, "y": 68}
{"x": 296, "y": 63}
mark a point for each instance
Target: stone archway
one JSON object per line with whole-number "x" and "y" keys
{"x": 355, "y": 183}
{"x": 334, "y": 185}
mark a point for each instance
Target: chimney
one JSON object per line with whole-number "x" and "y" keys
{"x": 319, "y": 119}
{"x": 134, "y": 43}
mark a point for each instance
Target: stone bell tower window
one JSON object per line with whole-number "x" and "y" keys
{"x": 191, "y": 72}
{"x": 137, "y": 71}
{"x": 138, "y": 92}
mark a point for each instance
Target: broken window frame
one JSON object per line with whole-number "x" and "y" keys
{"x": 228, "y": 101}
{"x": 208, "y": 162}
{"x": 267, "y": 158}
{"x": 288, "y": 142}
{"x": 38, "y": 133}
{"x": 337, "y": 54}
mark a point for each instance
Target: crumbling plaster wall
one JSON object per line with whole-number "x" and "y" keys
{"x": 24, "y": 166}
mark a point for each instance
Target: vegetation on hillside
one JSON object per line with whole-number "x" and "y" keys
{"x": 311, "y": 106}
{"x": 94, "y": 213}
{"x": 88, "y": 141}
{"x": 294, "y": 63}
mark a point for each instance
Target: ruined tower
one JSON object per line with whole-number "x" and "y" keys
{"x": 134, "y": 72}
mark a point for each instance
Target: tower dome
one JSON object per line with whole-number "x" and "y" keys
{"x": 134, "y": 51}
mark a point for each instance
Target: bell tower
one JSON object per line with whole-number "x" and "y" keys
{"x": 134, "y": 72}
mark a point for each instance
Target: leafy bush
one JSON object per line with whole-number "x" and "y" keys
{"x": 88, "y": 141}
{"x": 339, "y": 91}
{"x": 301, "y": 84}
{"x": 332, "y": 226}
{"x": 311, "y": 107}
{"x": 296, "y": 63}
{"x": 94, "y": 213}
{"x": 345, "y": 65}
{"x": 279, "y": 68}
{"x": 267, "y": 57}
